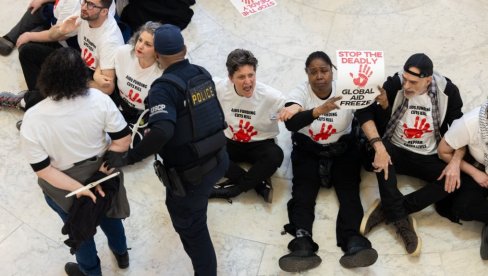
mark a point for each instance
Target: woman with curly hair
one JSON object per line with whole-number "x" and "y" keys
{"x": 64, "y": 138}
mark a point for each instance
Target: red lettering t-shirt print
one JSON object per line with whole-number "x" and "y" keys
{"x": 244, "y": 133}
{"x": 323, "y": 134}
{"x": 419, "y": 128}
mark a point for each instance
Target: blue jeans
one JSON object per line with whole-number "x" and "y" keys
{"x": 86, "y": 256}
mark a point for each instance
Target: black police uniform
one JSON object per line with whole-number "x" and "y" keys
{"x": 171, "y": 134}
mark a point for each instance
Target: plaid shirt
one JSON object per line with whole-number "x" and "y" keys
{"x": 397, "y": 115}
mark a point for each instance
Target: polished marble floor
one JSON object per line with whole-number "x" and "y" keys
{"x": 246, "y": 234}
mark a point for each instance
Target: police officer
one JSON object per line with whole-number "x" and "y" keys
{"x": 186, "y": 123}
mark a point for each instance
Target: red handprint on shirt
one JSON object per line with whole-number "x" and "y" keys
{"x": 244, "y": 133}
{"x": 363, "y": 75}
{"x": 88, "y": 58}
{"x": 134, "y": 96}
{"x": 323, "y": 134}
{"x": 418, "y": 128}
{"x": 247, "y": 2}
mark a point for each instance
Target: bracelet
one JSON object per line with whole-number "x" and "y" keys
{"x": 374, "y": 140}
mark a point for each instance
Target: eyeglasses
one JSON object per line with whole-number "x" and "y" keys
{"x": 90, "y": 5}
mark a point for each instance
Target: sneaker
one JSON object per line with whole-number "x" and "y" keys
{"x": 407, "y": 229}
{"x": 372, "y": 217}
{"x": 6, "y": 46}
{"x": 225, "y": 190}
{"x": 122, "y": 259}
{"x": 8, "y": 99}
{"x": 484, "y": 243}
{"x": 72, "y": 269}
{"x": 302, "y": 256}
{"x": 265, "y": 189}
{"x": 359, "y": 253}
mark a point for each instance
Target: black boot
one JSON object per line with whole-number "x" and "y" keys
{"x": 122, "y": 259}
{"x": 265, "y": 190}
{"x": 72, "y": 269}
{"x": 359, "y": 253}
{"x": 302, "y": 256}
{"x": 225, "y": 190}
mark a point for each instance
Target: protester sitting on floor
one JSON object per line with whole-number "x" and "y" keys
{"x": 421, "y": 105}
{"x": 251, "y": 112}
{"x": 325, "y": 154}
{"x": 136, "y": 68}
{"x": 469, "y": 190}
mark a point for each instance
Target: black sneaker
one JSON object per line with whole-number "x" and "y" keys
{"x": 359, "y": 253}
{"x": 298, "y": 261}
{"x": 122, "y": 259}
{"x": 6, "y": 46}
{"x": 302, "y": 256}
{"x": 265, "y": 189}
{"x": 484, "y": 243}
{"x": 72, "y": 269}
{"x": 372, "y": 217}
{"x": 407, "y": 229}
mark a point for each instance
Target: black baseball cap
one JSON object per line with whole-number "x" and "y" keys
{"x": 422, "y": 62}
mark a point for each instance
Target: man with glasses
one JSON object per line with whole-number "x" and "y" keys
{"x": 98, "y": 37}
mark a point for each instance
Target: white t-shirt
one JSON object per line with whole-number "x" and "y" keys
{"x": 250, "y": 119}
{"x": 65, "y": 8}
{"x": 327, "y": 128}
{"x": 69, "y": 131}
{"x": 465, "y": 131}
{"x": 133, "y": 81}
{"x": 98, "y": 45}
{"x": 415, "y": 130}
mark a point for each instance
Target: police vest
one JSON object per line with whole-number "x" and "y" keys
{"x": 199, "y": 128}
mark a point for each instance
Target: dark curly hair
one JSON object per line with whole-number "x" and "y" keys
{"x": 238, "y": 58}
{"x": 318, "y": 55}
{"x": 63, "y": 75}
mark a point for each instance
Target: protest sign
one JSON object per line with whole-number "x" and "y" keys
{"x": 359, "y": 73}
{"x": 250, "y": 7}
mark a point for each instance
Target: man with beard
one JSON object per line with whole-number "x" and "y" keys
{"x": 421, "y": 104}
{"x": 98, "y": 37}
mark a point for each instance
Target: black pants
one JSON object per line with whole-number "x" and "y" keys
{"x": 306, "y": 184}
{"x": 468, "y": 203}
{"x": 32, "y": 56}
{"x": 426, "y": 167}
{"x": 265, "y": 156}
{"x": 39, "y": 21}
{"x": 189, "y": 217}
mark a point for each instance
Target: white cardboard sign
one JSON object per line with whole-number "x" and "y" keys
{"x": 359, "y": 73}
{"x": 250, "y": 7}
